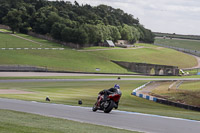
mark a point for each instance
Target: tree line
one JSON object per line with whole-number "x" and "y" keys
{"x": 75, "y": 23}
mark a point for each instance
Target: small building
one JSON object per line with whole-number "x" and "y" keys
{"x": 124, "y": 44}
{"x": 108, "y": 43}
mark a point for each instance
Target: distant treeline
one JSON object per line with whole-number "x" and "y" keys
{"x": 168, "y": 35}
{"x": 64, "y": 21}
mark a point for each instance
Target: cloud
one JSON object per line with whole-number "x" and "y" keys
{"x": 174, "y": 16}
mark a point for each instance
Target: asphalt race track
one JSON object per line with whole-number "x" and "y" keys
{"x": 100, "y": 79}
{"x": 118, "y": 119}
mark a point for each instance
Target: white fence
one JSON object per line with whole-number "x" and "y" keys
{"x": 31, "y": 48}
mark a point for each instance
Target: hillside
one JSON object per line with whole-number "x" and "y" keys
{"x": 72, "y": 23}
{"x": 87, "y": 61}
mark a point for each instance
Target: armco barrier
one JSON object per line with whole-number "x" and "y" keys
{"x": 22, "y": 68}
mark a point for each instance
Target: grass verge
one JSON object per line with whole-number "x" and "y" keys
{"x": 17, "y": 122}
{"x": 71, "y": 92}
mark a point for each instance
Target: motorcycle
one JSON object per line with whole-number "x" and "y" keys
{"x": 107, "y": 105}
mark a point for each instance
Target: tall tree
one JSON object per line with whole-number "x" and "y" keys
{"x": 56, "y": 30}
{"x": 72, "y": 22}
{"x": 67, "y": 34}
{"x": 130, "y": 33}
{"x": 115, "y": 34}
{"x": 81, "y": 37}
{"x": 13, "y": 19}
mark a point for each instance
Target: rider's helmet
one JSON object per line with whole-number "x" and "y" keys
{"x": 117, "y": 86}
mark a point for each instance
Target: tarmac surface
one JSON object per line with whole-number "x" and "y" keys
{"x": 46, "y": 74}
{"x": 117, "y": 119}
{"x": 99, "y": 79}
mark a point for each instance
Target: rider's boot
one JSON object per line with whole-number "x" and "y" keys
{"x": 116, "y": 105}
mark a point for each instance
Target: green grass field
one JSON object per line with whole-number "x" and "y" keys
{"x": 16, "y": 122}
{"x": 88, "y": 61}
{"x": 187, "y": 44}
{"x": 168, "y": 35}
{"x": 149, "y": 54}
{"x": 9, "y": 41}
{"x": 68, "y": 60}
{"x": 44, "y": 43}
{"x": 71, "y": 92}
{"x": 190, "y": 85}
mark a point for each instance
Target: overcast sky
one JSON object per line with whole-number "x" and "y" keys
{"x": 171, "y": 16}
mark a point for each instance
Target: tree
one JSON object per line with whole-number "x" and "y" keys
{"x": 115, "y": 34}
{"x": 125, "y": 33}
{"x": 130, "y": 33}
{"x": 93, "y": 33}
{"x": 80, "y": 37}
{"x": 72, "y": 22}
{"x": 43, "y": 19}
{"x": 13, "y": 20}
{"x": 56, "y": 30}
{"x": 51, "y": 19}
{"x": 146, "y": 35}
{"x": 4, "y": 9}
{"x": 135, "y": 34}
{"x": 76, "y": 3}
{"x": 67, "y": 34}
{"x": 77, "y": 35}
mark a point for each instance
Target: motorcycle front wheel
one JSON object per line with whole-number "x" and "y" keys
{"x": 94, "y": 108}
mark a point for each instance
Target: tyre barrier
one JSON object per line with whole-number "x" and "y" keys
{"x": 151, "y": 98}
{"x": 135, "y": 93}
{"x": 180, "y": 105}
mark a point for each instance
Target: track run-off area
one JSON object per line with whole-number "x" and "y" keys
{"x": 118, "y": 119}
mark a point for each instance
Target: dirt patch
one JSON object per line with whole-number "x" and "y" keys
{"x": 13, "y": 91}
{"x": 147, "y": 90}
{"x": 159, "y": 48}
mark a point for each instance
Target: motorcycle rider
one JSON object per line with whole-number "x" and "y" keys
{"x": 115, "y": 89}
